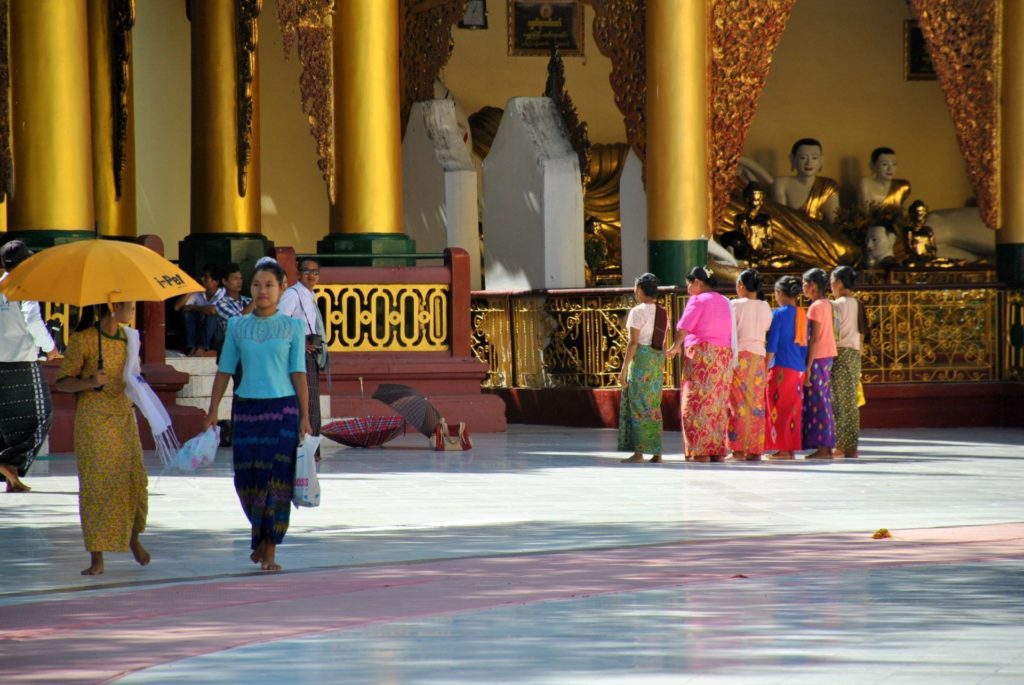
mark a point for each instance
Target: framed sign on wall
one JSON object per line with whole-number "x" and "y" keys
{"x": 917, "y": 63}
{"x": 536, "y": 26}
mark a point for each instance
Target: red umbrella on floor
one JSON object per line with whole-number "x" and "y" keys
{"x": 364, "y": 431}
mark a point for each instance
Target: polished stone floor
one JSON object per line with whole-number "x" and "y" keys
{"x": 538, "y": 558}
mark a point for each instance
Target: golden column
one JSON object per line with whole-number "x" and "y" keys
{"x": 366, "y": 216}
{"x": 113, "y": 116}
{"x": 225, "y": 178}
{"x": 50, "y": 121}
{"x": 1010, "y": 239}
{"x": 678, "y": 193}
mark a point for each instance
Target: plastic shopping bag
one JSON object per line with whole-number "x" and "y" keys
{"x": 199, "y": 451}
{"x": 306, "y": 492}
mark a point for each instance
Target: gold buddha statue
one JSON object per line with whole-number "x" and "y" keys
{"x": 882, "y": 188}
{"x": 918, "y": 237}
{"x": 814, "y": 195}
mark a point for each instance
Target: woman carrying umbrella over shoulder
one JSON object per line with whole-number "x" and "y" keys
{"x": 113, "y": 497}
{"x": 270, "y": 410}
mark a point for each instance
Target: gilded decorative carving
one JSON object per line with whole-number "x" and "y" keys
{"x": 247, "y": 14}
{"x": 483, "y": 125}
{"x": 917, "y": 336}
{"x": 619, "y": 27}
{"x": 743, "y": 34}
{"x": 1013, "y": 336}
{"x": 426, "y": 45}
{"x": 308, "y": 23}
{"x": 6, "y": 160}
{"x": 492, "y": 339}
{"x": 374, "y": 317}
{"x": 931, "y": 335}
{"x": 122, "y": 20}
{"x": 575, "y": 127}
{"x": 963, "y": 41}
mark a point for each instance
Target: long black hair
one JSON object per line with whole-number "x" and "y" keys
{"x": 789, "y": 285}
{"x": 846, "y": 275}
{"x": 752, "y": 281}
{"x": 819, "y": 278}
{"x": 648, "y": 284}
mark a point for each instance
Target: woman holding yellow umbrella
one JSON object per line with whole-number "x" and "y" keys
{"x": 99, "y": 366}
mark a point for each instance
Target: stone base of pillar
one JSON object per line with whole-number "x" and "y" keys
{"x": 671, "y": 260}
{"x": 368, "y": 246}
{"x": 42, "y": 239}
{"x": 1010, "y": 262}
{"x": 199, "y": 249}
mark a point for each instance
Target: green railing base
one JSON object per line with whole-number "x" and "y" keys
{"x": 389, "y": 246}
{"x": 199, "y": 249}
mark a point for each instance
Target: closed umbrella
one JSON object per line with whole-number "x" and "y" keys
{"x": 414, "y": 407}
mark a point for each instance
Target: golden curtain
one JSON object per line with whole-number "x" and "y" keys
{"x": 963, "y": 41}
{"x": 743, "y": 35}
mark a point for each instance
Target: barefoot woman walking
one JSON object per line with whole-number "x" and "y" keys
{"x": 113, "y": 495}
{"x": 270, "y": 410}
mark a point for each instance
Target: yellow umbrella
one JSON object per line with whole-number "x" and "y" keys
{"x": 96, "y": 271}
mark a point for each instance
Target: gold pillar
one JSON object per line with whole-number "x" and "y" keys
{"x": 110, "y": 70}
{"x": 1012, "y": 120}
{"x": 367, "y": 135}
{"x": 218, "y": 206}
{"x": 678, "y": 192}
{"x": 50, "y": 116}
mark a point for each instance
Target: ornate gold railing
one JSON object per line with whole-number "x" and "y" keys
{"x": 367, "y": 317}
{"x": 575, "y": 338}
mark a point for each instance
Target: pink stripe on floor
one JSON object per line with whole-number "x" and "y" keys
{"x": 99, "y": 637}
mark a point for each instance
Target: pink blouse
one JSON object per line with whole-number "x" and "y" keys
{"x": 707, "y": 318}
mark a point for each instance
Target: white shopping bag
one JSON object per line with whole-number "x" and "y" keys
{"x": 199, "y": 451}
{"x": 307, "y": 486}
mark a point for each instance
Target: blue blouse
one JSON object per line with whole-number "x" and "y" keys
{"x": 788, "y": 354}
{"x": 270, "y": 348}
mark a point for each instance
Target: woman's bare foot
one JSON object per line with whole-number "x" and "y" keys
{"x": 268, "y": 563}
{"x": 780, "y": 455}
{"x": 96, "y": 568}
{"x": 259, "y": 552}
{"x": 656, "y": 459}
{"x": 635, "y": 459}
{"x": 138, "y": 551}
{"x": 14, "y": 483}
{"x": 820, "y": 453}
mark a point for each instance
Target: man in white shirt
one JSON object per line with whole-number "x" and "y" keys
{"x": 299, "y": 303}
{"x": 25, "y": 405}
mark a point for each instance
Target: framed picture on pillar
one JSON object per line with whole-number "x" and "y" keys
{"x": 536, "y": 26}
{"x": 917, "y": 63}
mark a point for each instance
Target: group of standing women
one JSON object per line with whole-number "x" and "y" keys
{"x": 270, "y": 411}
{"x": 754, "y": 380}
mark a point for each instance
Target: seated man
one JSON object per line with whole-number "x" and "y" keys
{"x": 202, "y": 324}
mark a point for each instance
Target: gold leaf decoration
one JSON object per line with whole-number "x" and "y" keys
{"x": 963, "y": 41}
{"x": 426, "y": 45}
{"x": 247, "y": 14}
{"x": 308, "y": 23}
{"x": 742, "y": 35}
{"x": 619, "y": 27}
{"x": 579, "y": 138}
{"x": 122, "y": 19}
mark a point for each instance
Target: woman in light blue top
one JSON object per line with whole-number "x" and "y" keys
{"x": 270, "y": 410}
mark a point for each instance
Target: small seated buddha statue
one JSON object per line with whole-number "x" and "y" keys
{"x": 814, "y": 195}
{"x": 918, "y": 237}
{"x": 882, "y": 188}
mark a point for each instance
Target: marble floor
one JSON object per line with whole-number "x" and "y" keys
{"x": 538, "y": 558}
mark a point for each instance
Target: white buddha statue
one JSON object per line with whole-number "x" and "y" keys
{"x": 879, "y": 245}
{"x": 814, "y": 195}
{"x": 882, "y": 188}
